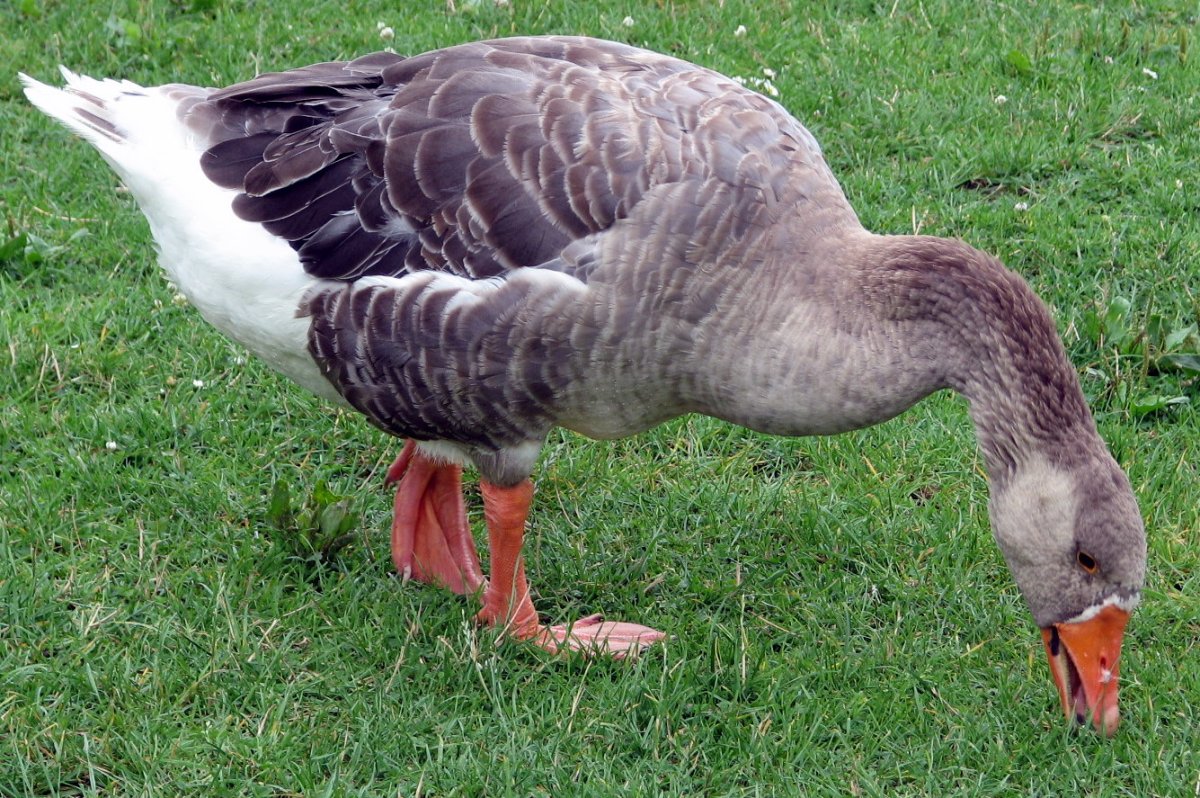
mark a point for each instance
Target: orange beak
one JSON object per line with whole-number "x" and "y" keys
{"x": 1084, "y": 658}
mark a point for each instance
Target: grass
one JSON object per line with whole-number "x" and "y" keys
{"x": 842, "y": 623}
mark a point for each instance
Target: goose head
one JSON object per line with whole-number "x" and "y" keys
{"x": 1073, "y": 538}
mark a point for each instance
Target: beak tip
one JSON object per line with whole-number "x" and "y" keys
{"x": 1108, "y": 721}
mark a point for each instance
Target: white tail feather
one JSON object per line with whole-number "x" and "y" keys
{"x": 84, "y": 106}
{"x": 136, "y": 129}
{"x": 244, "y": 280}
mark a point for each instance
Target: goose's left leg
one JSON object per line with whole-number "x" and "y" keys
{"x": 431, "y": 541}
{"x": 506, "y": 602}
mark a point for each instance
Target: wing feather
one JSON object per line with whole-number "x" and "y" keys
{"x": 491, "y": 156}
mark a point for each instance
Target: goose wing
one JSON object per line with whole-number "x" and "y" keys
{"x": 489, "y": 156}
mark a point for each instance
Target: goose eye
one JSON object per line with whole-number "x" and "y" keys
{"x": 1087, "y": 562}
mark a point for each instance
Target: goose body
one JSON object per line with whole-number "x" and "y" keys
{"x": 474, "y": 245}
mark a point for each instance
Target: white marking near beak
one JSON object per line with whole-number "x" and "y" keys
{"x": 1126, "y": 604}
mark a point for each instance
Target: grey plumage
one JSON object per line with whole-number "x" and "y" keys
{"x": 641, "y": 175}
{"x": 505, "y": 236}
{"x": 675, "y": 234}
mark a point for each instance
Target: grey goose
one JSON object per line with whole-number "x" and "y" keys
{"x": 474, "y": 245}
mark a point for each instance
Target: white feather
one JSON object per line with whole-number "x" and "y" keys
{"x": 243, "y": 280}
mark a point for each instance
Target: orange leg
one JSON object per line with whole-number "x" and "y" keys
{"x": 431, "y": 541}
{"x": 506, "y": 602}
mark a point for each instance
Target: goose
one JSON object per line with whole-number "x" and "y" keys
{"x": 475, "y": 245}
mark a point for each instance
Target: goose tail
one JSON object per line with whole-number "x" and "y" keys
{"x": 244, "y": 280}
{"x": 87, "y": 107}
{"x": 137, "y": 130}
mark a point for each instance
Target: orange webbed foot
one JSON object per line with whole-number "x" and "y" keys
{"x": 594, "y": 636}
{"x": 506, "y": 602}
{"x": 431, "y": 541}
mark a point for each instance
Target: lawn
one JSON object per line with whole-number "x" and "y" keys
{"x": 841, "y": 621}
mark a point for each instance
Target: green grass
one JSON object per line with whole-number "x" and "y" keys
{"x": 842, "y": 622}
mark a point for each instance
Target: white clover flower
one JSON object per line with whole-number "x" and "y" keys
{"x": 770, "y": 73}
{"x": 386, "y": 33}
{"x": 111, "y": 446}
{"x": 741, "y": 31}
{"x": 1000, "y": 99}
{"x": 179, "y": 298}
{"x": 628, "y": 22}
{"x": 1021, "y": 206}
{"x": 197, "y": 383}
